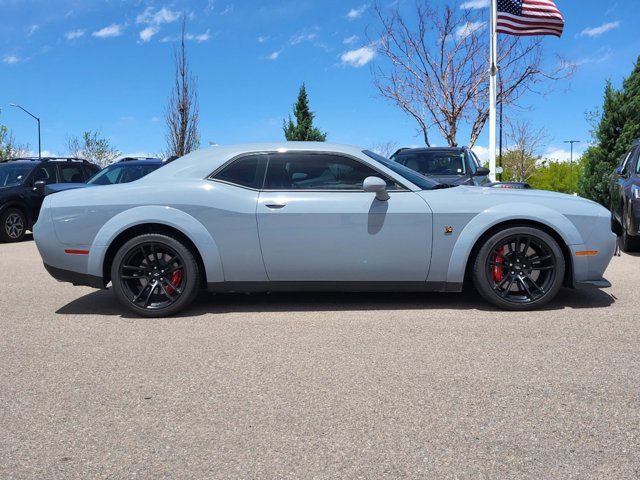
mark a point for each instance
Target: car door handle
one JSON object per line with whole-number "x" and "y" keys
{"x": 275, "y": 206}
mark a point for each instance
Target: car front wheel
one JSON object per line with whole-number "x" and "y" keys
{"x": 155, "y": 275}
{"x": 627, "y": 242}
{"x": 13, "y": 224}
{"x": 519, "y": 268}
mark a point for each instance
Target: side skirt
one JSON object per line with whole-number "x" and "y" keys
{"x": 245, "y": 287}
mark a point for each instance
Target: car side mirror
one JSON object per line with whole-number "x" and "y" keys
{"x": 378, "y": 186}
{"x": 619, "y": 171}
{"x": 482, "y": 172}
{"x": 39, "y": 186}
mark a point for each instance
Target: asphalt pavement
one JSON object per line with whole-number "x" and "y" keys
{"x": 317, "y": 385}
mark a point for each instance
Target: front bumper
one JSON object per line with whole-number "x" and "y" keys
{"x": 75, "y": 278}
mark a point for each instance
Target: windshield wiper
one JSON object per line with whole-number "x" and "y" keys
{"x": 441, "y": 186}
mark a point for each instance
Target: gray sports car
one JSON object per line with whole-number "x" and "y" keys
{"x": 317, "y": 216}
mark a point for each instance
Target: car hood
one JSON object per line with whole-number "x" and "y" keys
{"x": 9, "y": 191}
{"x": 61, "y": 187}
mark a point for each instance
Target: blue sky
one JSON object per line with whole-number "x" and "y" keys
{"x": 107, "y": 65}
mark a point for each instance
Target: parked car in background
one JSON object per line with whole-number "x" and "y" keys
{"x": 317, "y": 216}
{"x": 125, "y": 170}
{"x": 512, "y": 185}
{"x": 448, "y": 165}
{"x": 625, "y": 199}
{"x": 22, "y": 186}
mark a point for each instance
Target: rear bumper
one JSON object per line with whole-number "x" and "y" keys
{"x": 75, "y": 278}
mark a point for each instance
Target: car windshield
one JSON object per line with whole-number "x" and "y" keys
{"x": 418, "y": 180}
{"x": 121, "y": 173}
{"x": 13, "y": 173}
{"x": 436, "y": 162}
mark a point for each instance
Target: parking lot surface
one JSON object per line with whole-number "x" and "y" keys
{"x": 317, "y": 385}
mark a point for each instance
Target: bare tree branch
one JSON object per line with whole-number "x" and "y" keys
{"x": 436, "y": 67}
{"x": 182, "y": 116}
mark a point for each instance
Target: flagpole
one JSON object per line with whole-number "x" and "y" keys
{"x": 493, "y": 69}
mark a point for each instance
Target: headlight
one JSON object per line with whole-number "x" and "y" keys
{"x": 635, "y": 191}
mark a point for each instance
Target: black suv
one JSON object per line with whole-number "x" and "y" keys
{"x": 625, "y": 199}
{"x": 448, "y": 165}
{"x": 22, "y": 184}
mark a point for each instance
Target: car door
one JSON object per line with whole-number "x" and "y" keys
{"x": 618, "y": 181}
{"x": 47, "y": 173}
{"x": 316, "y": 224}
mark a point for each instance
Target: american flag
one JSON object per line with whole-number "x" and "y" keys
{"x": 529, "y": 17}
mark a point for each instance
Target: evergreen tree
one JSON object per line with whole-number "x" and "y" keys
{"x": 618, "y": 126}
{"x": 303, "y": 129}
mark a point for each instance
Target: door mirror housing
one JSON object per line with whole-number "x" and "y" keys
{"x": 482, "y": 172}
{"x": 39, "y": 186}
{"x": 378, "y": 186}
{"x": 619, "y": 171}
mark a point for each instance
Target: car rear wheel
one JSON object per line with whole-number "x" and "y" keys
{"x": 155, "y": 275}
{"x": 519, "y": 268}
{"x": 13, "y": 225}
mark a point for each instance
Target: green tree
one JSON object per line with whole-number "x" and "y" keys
{"x": 8, "y": 147}
{"x": 303, "y": 130}
{"x": 618, "y": 125}
{"x": 93, "y": 147}
{"x": 556, "y": 176}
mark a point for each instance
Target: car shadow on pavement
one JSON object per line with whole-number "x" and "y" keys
{"x": 103, "y": 302}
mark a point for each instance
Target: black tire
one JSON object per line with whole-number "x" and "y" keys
{"x": 519, "y": 268}
{"x": 628, "y": 243}
{"x": 13, "y": 225}
{"x": 155, "y": 275}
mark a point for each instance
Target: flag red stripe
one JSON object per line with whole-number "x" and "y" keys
{"x": 530, "y": 25}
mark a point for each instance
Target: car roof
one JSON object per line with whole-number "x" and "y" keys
{"x": 132, "y": 161}
{"x": 201, "y": 163}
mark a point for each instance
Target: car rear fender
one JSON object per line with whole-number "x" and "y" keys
{"x": 493, "y": 216}
{"x": 156, "y": 214}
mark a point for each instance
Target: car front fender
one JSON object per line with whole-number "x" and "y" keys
{"x": 493, "y": 216}
{"x": 163, "y": 215}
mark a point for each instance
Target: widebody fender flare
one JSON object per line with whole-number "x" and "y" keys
{"x": 493, "y": 216}
{"x": 163, "y": 215}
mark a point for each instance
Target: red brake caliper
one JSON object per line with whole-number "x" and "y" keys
{"x": 176, "y": 278}
{"x": 497, "y": 272}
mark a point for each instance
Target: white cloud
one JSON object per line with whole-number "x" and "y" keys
{"x": 113, "y": 30}
{"x": 304, "y": 36}
{"x": 164, "y": 15}
{"x": 475, "y": 4}
{"x": 227, "y": 10}
{"x": 359, "y": 57}
{"x": 350, "y": 40}
{"x": 74, "y": 34}
{"x": 469, "y": 28}
{"x": 562, "y": 155}
{"x": 10, "y": 59}
{"x": 201, "y": 37}
{"x": 274, "y": 55}
{"x": 262, "y": 39}
{"x": 148, "y": 33}
{"x": 33, "y": 29}
{"x": 356, "y": 12}
{"x": 594, "y": 32}
{"x": 481, "y": 152}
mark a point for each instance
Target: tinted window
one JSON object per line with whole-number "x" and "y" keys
{"x": 46, "y": 173}
{"x": 418, "y": 180}
{"x": 246, "y": 171}
{"x": 121, "y": 173}
{"x": 13, "y": 173}
{"x": 434, "y": 162}
{"x": 318, "y": 171}
{"x": 71, "y": 174}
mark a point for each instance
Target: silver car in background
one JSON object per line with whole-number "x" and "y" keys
{"x": 317, "y": 216}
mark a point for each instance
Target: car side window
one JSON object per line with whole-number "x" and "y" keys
{"x": 245, "y": 171}
{"x": 624, "y": 165}
{"x": 71, "y": 174}
{"x": 473, "y": 165}
{"x": 45, "y": 173}
{"x": 319, "y": 171}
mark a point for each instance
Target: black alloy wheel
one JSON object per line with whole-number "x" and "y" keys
{"x": 155, "y": 275}
{"x": 520, "y": 268}
{"x": 13, "y": 225}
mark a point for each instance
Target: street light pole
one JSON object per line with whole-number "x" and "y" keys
{"x": 571, "y": 163}
{"x": 37, "y": 120}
